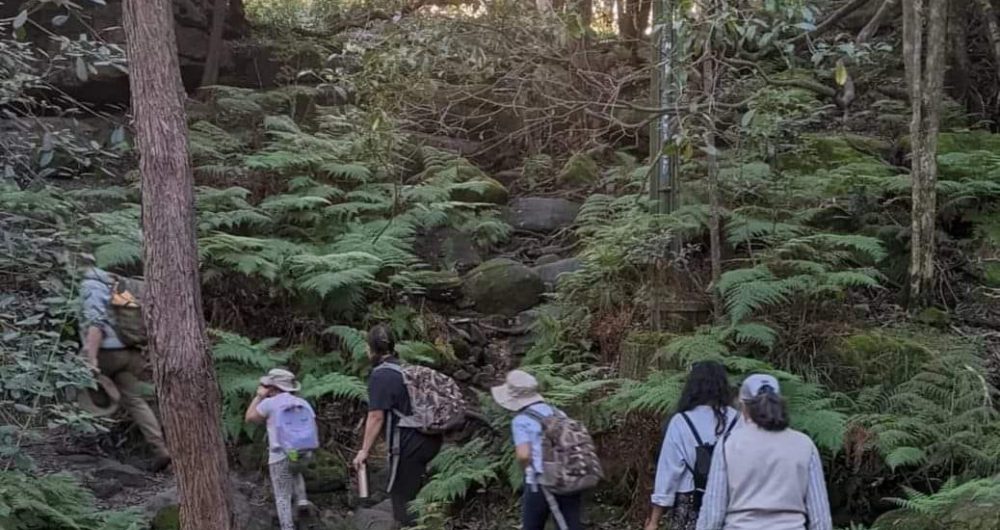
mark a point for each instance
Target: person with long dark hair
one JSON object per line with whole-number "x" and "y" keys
{"x": 765, "y": 475}
{"x": 703, "y": 415}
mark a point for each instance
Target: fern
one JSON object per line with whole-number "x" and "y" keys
{"x": 55, "y": 502}
{"x": 338, "y": 386}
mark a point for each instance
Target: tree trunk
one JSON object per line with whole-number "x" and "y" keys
{"x": 220, "y": 11}
{"x": 925, "y": 79}
{"x": 185, "y": 378}
{"x": 708, "y": 78}
{"x": 961, "y": 65}
{"x": 992, "y": 26}
{"x": 633, "y": 16}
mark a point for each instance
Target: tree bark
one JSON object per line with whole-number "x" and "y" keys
{"x": 220, "y": 10}
{"x": 925, "y": 79}
{"x": 992, "y": 26}
{"x": 185, "y": 378}
{"x": 633, "y": 16}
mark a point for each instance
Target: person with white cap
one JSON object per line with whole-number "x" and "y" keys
{"x": 519, "y": 394}
{"x": 275, "y": 395}
{"x": 765, "y": 475}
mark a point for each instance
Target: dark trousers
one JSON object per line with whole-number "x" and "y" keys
{"x": 410, "y": 475}
{"x": 535, "y": 509}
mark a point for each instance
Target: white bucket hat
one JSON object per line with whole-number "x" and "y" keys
{"x": 519, "y": 391}
{"x": 281, "y": 379}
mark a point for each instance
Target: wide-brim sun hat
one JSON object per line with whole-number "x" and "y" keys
{"x": 281, "y": 379}
{"x": 753, "y": 385}
{"x": 102, "y": 401}
{"x": 520, "y": 389}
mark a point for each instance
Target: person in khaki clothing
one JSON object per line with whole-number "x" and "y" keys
{"x": 108, "y": 355}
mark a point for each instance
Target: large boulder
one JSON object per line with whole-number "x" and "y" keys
{"x": 450, "y": 249}
{"x": 378, "y": 517}
{"x": 550, "y": 272}
{"x": 503, "y": 286}
{"x": 483, "y": 189}
{"x": 109, "y": 84}
{"x": 580, "y": 170}
{"x": 541, "y": 214}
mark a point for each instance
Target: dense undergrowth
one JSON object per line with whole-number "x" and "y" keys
{"x": 310, "y": 212}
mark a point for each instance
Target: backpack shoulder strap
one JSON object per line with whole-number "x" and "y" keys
{"x": 534, "y": 414}
{"x": 732, "y": 424}
{"x": 690, "y": 424}
{"x": 389, "y": 366}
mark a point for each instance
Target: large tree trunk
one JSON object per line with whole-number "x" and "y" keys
{"x": 210, "y": 76}
{"x": 925, "y": 79}
{"x": 185, "y": 378}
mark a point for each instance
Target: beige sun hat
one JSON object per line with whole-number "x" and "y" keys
{"x": 102, "y": 401}
{"x": 518, "y": 391}
{"x": 281, "y": 379}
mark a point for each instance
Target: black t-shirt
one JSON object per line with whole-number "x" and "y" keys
{"x": 387, "y": 392}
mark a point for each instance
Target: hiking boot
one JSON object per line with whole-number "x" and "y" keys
{"x": 159, "y": 463}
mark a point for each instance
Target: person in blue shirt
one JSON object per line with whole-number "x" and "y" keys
{"x": 107, "y": 354}
{"x": 703, "y": 415}
{"x": 518, "y": 394}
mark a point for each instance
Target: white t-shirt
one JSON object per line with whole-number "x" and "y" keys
{"x": 269, "y": 409}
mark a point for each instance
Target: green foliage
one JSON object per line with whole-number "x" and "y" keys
{"x": 239, "y": 364}
{"x": 958, "y": 505}
{"x": 942, "y": 419}
{"x": 55, "y": 502}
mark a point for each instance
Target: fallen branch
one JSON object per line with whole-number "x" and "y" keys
{"x": 877, "y": 20}
{"x": 834, "y": 17}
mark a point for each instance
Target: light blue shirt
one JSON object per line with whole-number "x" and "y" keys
{"x": 528, "y": 430}
{"x": 95, "y": 295}
{"x": 678, "y": 452}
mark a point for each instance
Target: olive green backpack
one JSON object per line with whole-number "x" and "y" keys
{"x": 126, "y": 310}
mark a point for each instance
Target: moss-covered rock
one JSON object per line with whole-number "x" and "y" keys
{"x": 503, "y": 286}
{"x": 482, "y": 189}
{"x": 326, "y": 472}
{"x": 580, "y": 170}
{"x": 168, "y": 518}
{"x": 933, "y": 316}
{"x": 834, "y": 152}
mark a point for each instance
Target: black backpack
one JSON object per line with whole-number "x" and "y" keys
{"x": 703, "y": 454}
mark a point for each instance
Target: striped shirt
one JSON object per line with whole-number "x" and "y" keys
{"x": 765, "y": 479}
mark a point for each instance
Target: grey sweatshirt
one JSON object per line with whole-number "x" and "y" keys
{"x": 764, "y": 479}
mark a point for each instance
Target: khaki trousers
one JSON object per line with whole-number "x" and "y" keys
{"x": 125, "y": 368}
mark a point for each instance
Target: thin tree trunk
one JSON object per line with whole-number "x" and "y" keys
{"x": 185, "y": 378}
{"x": 992, "y": 32}
{"x": 714, "y": 214}
{"x": 957, "y": 82}
{"x": 925, "y": 78}
{"x": 884, "y": 10}
{"x": 210, "y": 76}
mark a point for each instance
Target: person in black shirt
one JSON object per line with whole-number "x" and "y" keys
{"x": 388, "y": 400}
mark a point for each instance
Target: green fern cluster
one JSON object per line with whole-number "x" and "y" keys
{"x": 943, "y": 419}
{"x": 957, "y": 505}
{"x": 55, "y": 502}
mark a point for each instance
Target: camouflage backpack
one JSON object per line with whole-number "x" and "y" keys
{"x": 436, "y": 400}
{"x": 125, "y": 307}
{"x": 569, "y": 456}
